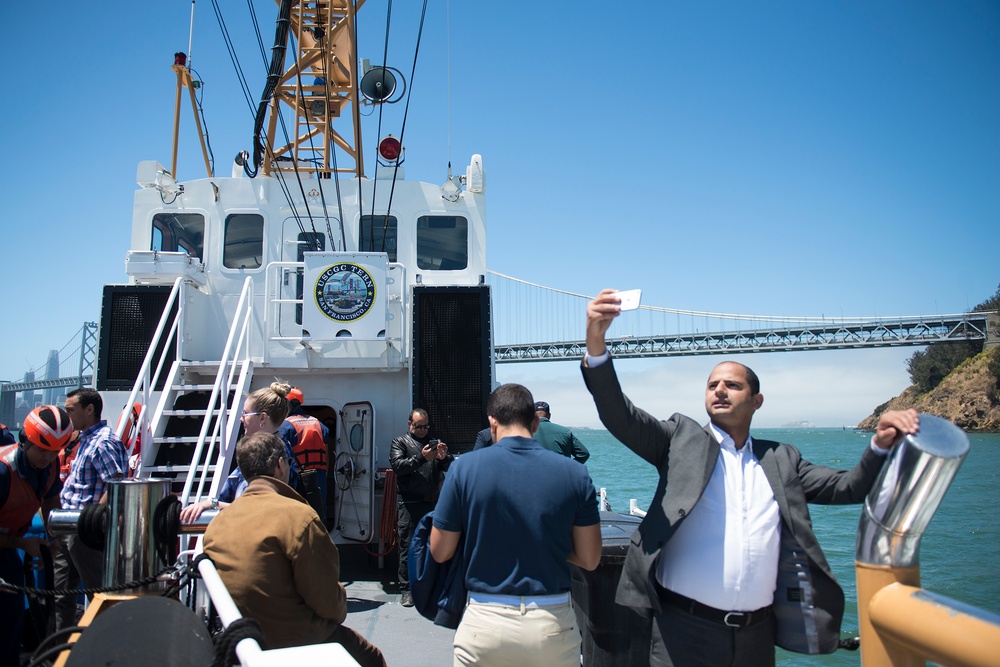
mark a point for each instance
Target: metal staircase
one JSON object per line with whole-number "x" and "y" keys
{"x": 189, "y": 431}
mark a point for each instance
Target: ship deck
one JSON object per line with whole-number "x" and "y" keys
{"x": 401, "y": 633}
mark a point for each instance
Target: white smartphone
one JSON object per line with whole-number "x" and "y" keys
{"x": 630, "y": 299}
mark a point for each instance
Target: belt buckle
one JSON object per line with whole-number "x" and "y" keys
{"x": 742, "y": 617}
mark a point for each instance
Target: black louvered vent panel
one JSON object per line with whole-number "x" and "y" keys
{"x": 129, "y": 316}
{"x": 452, "y": 353}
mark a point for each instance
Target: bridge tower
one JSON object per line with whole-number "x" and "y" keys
{"x": 88, "y": 351}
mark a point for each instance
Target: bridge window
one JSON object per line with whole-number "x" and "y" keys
{"x": 244, "y": 243}
{"x": 442, "y": 242}
{"x": 179, "y": 232}
{"x": 378, "y": 234}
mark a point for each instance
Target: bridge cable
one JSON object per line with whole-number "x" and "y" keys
{"x": 406, "y": 113}
{"x": 378, "y": 135}
{"x": 735, "y": 316}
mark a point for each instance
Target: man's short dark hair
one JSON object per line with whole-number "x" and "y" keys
{"x": 512, "y": 405}
{"x": 259, "y": 453}
{"x": 418, "y": 411}
{"x": 87, "y": 396}
{"x": 752, "y": 380}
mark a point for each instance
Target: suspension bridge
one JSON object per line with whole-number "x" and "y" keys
{"x": 69, "y": 367}
{"x": 527, "y": 313}
{"x": 535, "y": 323}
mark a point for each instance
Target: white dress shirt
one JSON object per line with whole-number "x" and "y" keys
{"x": 725, "y": 553}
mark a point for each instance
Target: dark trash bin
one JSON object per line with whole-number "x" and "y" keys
{"x": 613, "y": 635}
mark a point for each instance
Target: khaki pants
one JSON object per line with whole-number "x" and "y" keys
{"x": 493, "y": 635}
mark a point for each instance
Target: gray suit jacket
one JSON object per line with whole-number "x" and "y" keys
{"x": 808, "y": 602}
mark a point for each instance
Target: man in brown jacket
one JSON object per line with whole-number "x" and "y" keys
{"x": 277, "y": 559}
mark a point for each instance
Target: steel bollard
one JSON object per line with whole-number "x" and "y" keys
{"x": 130, "y": 540}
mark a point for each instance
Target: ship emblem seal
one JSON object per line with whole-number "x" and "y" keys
{"x": 345, "y": 292}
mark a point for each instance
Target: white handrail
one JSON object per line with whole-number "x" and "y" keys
{"x": 224, "y": 408}
{"x": 143, "y": 382}
{"x": 249, "y": 651}
{"x": 224, "y": 605}
{"x": 235, "y": 343}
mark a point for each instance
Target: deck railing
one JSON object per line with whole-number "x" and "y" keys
{"x": 145, "y": 382}
{"x": 235, "y": 356}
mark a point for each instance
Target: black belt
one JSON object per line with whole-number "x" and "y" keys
{"x": 733, "y": 619}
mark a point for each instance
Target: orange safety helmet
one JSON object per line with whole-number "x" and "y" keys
{"x": 295, "y": 394}
{"x": 48, "y": 427}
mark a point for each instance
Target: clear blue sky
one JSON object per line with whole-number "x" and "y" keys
{"x": 776, "y": 157}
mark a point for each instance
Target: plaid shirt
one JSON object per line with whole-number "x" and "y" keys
{"x": 100, "y": 457}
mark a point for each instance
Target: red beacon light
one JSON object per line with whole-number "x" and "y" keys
{"x": 389, "y": 148}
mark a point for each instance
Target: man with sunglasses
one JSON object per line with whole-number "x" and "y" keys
{"x": 419, "y": 463}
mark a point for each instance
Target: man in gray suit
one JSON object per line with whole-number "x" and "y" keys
{"x": 725, "y": 559}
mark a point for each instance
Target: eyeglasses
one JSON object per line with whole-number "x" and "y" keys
{"x": 420, "y": 426}
{"x": 249, "y": 414}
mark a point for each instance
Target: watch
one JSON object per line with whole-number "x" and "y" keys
{"x": 215, "y": 503}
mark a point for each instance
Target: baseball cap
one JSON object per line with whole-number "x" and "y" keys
{"x": 295, "y": 394}
{"x": 542, "y": 405}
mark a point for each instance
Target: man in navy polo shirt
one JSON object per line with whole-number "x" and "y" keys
{"x": 526, "y": 514}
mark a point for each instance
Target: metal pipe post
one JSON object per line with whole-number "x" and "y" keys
{"x": 130, "y": 543}
{"x": 896, "y": 512}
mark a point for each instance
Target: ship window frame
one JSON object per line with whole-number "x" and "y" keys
{"x": 368, "y": 238}
{"x": 165, "y": 237}
{"x": 436, "y": 251}
{"x": 233, "y": 220}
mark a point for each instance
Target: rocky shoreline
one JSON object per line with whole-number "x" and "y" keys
{"x": 968, "y": 397}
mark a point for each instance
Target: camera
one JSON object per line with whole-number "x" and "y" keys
{"x": 433, "y": 442}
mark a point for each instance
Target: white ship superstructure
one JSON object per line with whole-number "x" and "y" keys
{"x": 369, "y": 294}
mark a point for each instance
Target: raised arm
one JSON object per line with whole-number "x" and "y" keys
{"x": 600, "y": 312}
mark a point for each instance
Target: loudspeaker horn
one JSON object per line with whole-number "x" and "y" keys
{"x": 378, "y": 84}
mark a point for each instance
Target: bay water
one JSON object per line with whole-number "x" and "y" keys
{"x": 959, "y": 552}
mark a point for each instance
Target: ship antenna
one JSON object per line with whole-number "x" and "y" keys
{"x": 447, "y": 9}
{"x": 191, "y": 36}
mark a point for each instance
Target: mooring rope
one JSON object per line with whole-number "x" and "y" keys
{"x": 43, "y": 592}
{"x": 237, "y": 631}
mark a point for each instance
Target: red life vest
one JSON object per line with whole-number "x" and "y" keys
{"x": 132, "y": 436}
{"x": 66, "y": 457}
{"x": 22, "y": 502}
{"x": 310, "y": 450}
